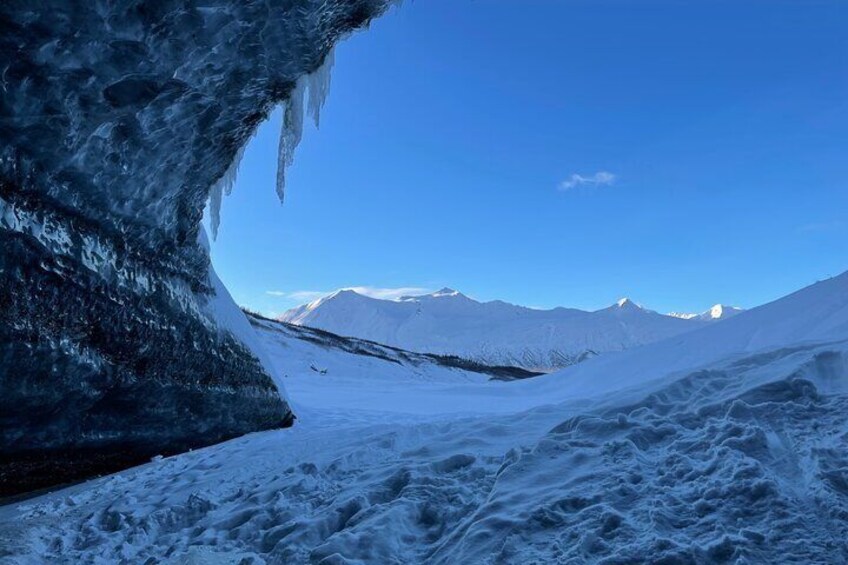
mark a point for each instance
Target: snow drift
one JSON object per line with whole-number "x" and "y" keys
{"x": 677, "y": 452}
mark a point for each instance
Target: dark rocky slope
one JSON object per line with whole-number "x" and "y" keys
{"x": 116, "y": 118}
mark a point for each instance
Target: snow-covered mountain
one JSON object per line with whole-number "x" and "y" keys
{"x": 309, "y": 351}
{"x": 493, "y": 333}
{"x": 714, "y": 314}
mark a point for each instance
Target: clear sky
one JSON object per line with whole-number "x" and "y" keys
{"x": 562, "y": 153}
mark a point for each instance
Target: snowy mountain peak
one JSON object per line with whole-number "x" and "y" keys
{"x": 717, "y": 312}
{"x": 346, "y": 292}
{"x": 447, "y": 322}
{"x": 342, "y": 294}
{"x": 721, "y": 311}
{"x": 627, "y": 303}
{"x": 446, "y": 291}
{"x": 684, "y": 315}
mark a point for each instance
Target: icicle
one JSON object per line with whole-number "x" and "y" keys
{"x": 290, "y": 133}
{"x": 223, "y": 187}
{"x": 216, "y": 194}
{"x": 319, "y": 86}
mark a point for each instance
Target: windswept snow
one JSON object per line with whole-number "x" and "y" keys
{"x": 494, "y": 333}
{"x": 727, "y": 444}
{"x": 331, "y": 373}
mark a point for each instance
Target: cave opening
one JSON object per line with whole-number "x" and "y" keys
{"x": 537, "y": 153}
{"x": 452, "y": 154}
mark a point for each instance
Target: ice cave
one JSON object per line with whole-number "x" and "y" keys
{"x": 146, "y": 418}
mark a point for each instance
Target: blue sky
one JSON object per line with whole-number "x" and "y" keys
{"x": 561, "y": 153}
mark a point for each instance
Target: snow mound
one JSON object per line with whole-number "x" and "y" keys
{"x": 705, "y": 469}
{"x": 814, "y": 314}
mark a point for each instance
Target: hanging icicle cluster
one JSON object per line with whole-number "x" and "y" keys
{"x": 318, "y": 86}
{"x": 223, "y": 187}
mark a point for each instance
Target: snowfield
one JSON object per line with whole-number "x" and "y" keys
{"x": 726, "y": 444}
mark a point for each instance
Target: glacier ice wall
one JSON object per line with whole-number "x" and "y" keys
{"x": 118, "y": 119}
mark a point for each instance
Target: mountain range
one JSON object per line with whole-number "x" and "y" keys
{"x": 448, "y": 322}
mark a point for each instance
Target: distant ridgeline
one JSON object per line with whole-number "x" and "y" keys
{"x": 117, "y": 120}
{"x": 447, "y": 322}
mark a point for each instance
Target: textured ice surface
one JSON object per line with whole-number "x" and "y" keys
{"x": 740, "y": 458}
{"x": 118, "y": 120}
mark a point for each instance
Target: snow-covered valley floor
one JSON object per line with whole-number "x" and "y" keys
{"x": 728, "y": 444}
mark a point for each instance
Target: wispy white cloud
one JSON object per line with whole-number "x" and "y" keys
{"x": 601, "y": 178}
{"x": 821, "y": 227}
{"x": 372, "y": 291}
{"x": 389, "y": 293}
{"x": 298, "y": 295}
{"x": 306, "y": 295}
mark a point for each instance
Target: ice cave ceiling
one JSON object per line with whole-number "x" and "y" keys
{"x": 117, "y": 119}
